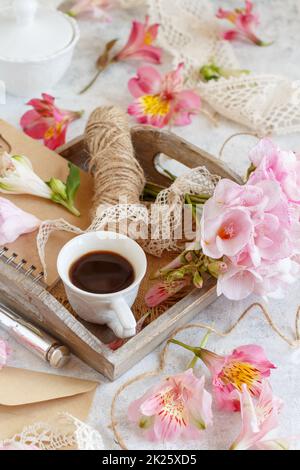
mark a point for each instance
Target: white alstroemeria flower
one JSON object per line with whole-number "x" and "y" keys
{"x": 18, "y": 177}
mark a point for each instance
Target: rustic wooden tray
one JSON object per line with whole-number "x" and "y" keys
{"x": 32, "y": 298}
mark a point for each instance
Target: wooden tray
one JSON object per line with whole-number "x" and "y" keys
{"x": 31, "y": 298}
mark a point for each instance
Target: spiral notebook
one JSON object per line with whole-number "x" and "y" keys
{"x": 23, "y": 254}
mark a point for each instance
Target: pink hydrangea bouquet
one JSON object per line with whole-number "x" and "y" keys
{"x": 249, "y": 234}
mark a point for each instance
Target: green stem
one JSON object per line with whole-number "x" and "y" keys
{"x": 148, "y": 192}
{"x": 70, "y": 208}
{"x": 169, "y": 174}
{"x": 194, "y": 211}
{"x": 185, "y": 346}
{"x": 202, "y": 346}
{"x": 91, "y": 83}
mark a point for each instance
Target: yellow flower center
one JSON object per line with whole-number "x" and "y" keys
{"x": 148, "y": 39}
{"x": 54, "y": 130}
{"x": 233, "y": 16}
{"x": 154, "y": 105}
{"x": 239, "y": 373}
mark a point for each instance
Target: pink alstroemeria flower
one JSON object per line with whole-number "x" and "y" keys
{"x": 163, "y": 291}
{"x": 178, "y": 407}
{"x": 140, "y": 43}
{"x": 162, "y": 100}
{"x": 4, "y": 353}
{"x": 47, "y": 122}
{"x": 14, "y": 222}
{"x": 258, "y": 420}
{"x": 244, "y": 21}
{"x": 95, "y": 9}
{"x": 245, "y": 365}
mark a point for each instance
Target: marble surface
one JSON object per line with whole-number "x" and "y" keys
{"x": 280, "y": 22}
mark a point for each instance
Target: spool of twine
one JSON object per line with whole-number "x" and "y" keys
{"x": 118, "y": 175}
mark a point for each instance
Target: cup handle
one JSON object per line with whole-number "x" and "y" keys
{"x": 124, "y": 323}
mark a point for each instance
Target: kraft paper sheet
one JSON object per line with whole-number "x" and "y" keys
{"x": 28, "y": 397}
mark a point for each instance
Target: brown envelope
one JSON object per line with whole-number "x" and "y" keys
{"x": 28, "y": 397}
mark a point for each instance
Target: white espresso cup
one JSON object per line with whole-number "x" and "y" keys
{"x": 113, "y": 310}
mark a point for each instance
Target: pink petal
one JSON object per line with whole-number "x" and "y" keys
{"x": 200, "y": 406}
{"x": 135, "y": 41}
{"x": 187, "y": 103}
{"x": 222, "y": 14}
{"x": 248, "y": 6}
{"x": 250, "y": 425}
{"x": 153, "y": 31}
{"x": 4, "y": 352}
{"x": 145, "y": 53}
{"x": 34, "y": 125}
{"x": 253, "y": 354}
{"x": 147, "y": 82}
{"x": 14, "y": 222}
{"x": 239, "y": 222}
{"x": 45, "y": 104}
{"x": 162, "y": 292}
{"x": 134, "y": 411}
{"x": 48, "y": 98}
{"x": 167, "y": 428}
{"x": 264, "y": 150}
{"x": 230, "y": 35}
{"x": 237, "y": 284}
{"x": 182, "y": 119}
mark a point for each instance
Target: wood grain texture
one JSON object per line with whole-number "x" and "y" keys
{"x": 38, "y": 304}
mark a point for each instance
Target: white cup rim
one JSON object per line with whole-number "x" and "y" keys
{"x": 108, "y": 235}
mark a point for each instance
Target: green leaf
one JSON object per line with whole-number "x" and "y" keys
{"x": 73, "y": 183}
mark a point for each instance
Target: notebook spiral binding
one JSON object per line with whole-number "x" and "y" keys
{"x": 21, "y": 266}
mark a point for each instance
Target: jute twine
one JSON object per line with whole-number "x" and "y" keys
{"x": 117, "y": 173}
{"x": 233, "y": 136}
{"x": 294, "y": 343}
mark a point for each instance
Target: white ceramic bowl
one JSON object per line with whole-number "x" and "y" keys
{"x": 30, "y": 77}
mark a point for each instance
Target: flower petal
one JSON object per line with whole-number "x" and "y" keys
{"x": 14, "y": 222}
{"x": 236, "y": 284}
{"x": 147, "y": 82}
{"x": 33, "y": 125}
{"x": 4, "y": 352}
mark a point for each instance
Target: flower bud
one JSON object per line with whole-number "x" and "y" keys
{"x": 198, "y": 280}
{"x": 58, "y": 188}
{"x": 217, "y": 268}
{"x": 176, "y": 275}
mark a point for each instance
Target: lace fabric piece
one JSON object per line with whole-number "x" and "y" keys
{"x": 269, "y": 104}
{"x": 67, "y": 433}
{"x": 155, "y": 227}
{"x": 190, "y": 33}
{"x": 131, "y": 3}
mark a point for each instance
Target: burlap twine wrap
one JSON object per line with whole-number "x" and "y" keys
{"x": 119, "y": 182}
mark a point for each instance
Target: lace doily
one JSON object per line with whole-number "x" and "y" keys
{"x": 131, "y": 3}
{"x": 75, "y": 435}
{"x": 190, "y": 33}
